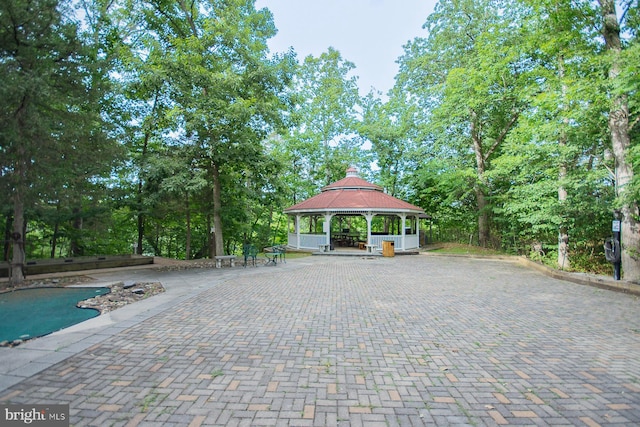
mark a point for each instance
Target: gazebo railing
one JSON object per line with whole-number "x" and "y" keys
{"x": 308, "y": 241}
{"x": 412, "y": 241}
{"x": 312, "y": 241}
{"x": 378, "y": 239}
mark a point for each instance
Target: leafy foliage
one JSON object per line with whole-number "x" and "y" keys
{"x": 168, "y": 128}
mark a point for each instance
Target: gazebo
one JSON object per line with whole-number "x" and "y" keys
{"x": 352, "y": 212}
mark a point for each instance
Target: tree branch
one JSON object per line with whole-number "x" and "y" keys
{"x": 502, "y": 135}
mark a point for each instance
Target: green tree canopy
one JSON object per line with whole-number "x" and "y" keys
{"x": 52, "y": 134}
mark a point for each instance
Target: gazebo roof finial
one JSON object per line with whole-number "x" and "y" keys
{"x": 352, "y": 171}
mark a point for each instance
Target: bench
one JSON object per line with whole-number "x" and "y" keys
{"x": 249, "y": 252}
{"x": 370, "y": 248}
{"x": 220, "y": 258}
{"x": 324, "y": 247}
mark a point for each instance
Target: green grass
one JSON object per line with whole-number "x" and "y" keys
{"x": 290, "y": 255}
{"x": 580, "y": 262}
{"x": 458, "y": 248}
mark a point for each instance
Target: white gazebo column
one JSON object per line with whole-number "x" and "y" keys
{"x": 327, "y": 227}
{"x": 403, "y": 219}
{"x": 297, "y": 225}
{"x": 369, "y": 217}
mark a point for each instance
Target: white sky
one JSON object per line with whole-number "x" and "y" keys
{"x": 369, "y": 33}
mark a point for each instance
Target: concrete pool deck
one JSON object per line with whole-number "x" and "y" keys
{"x": 415, "y": 340}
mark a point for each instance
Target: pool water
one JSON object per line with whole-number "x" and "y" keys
{"x": 30, "y": 313}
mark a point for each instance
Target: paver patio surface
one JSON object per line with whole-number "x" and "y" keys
{"x": 328, "y": 341}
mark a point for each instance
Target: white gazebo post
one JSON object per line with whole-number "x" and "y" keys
{"x": 403, "y": 219}
{"x": 327, "y": 227}
{"x": 298, "y": 219}
{"x": 369, "y": 217}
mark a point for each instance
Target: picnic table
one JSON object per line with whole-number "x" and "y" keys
{"x": 346, "y": 238}
{"x": 273, "y": 253}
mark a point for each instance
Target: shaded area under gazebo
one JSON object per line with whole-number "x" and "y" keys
{"x": 353, "y": 213}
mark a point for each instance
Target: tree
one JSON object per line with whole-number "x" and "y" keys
{"x": 226, "y": 94}
{"x": 144, "y": 108}
{"x": 326, "y": 116}
{"x": 559, "y": 130}
{"x": 388, "y": 126}
{"x": 468, "y": 76}
{"x": 620, "y": 128}
{"x": 48, "y": 115}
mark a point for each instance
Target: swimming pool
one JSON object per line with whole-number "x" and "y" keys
{"x": 34, "y": 312}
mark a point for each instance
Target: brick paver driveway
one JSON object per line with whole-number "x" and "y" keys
{"x": 411, "y": 340}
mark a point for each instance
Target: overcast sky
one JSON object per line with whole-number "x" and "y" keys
{"x": 369, "y": 33}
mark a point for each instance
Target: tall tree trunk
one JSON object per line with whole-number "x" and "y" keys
{"x": 139, "y": 201}
{"x": 16, "y": 275}
{"x": 77, "y": 248}
{"x": 564, "y": 262}
{"x": 484, "y": 235}
{"x": 217, "y": 207}
{"x": 157, "y": 250}
{"x": 188, "y": 220}
{"x": 563, "y": 234}
{"x": 54, "y": 239}
{"x": 17, "y": 241}
{"x": 620, "y": 141}
{"x": 143, "y": 161}
{"x": 211, "y": 245}
{"x": 140, "y": 225}
{"x": 7, "y": 237}
{"x": 327, "y": 162}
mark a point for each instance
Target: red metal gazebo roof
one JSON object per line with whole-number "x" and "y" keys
{"x": 353, "y": 194}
